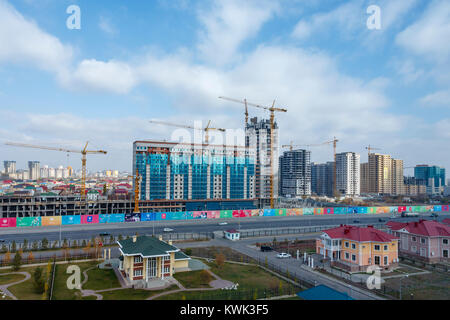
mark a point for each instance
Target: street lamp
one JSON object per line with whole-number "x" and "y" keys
{"x": 401, "y": 286}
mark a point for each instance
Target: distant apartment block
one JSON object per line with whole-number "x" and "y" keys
{"x": 182, "y": 171}
{"x": 10, "y": 166}
{"x": 348, "y": 174}
{"x": 322, "y": 179}
{"x": 258, "y": 137}
{"x": 356, "y": 248}
{"x": 385, "y": 175}
{"x": 295, "y": 173}
{"x": 423, "y": 240}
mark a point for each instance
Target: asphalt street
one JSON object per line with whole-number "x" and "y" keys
{"x": 80, "y": 232}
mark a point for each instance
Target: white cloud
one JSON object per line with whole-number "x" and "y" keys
{"x": 106, "y": 26}
{"x": 438, "y": 98}
{"x": 24, "y": 42}
{"x": 228, "y": 24}
{"x": 428, "y": 37}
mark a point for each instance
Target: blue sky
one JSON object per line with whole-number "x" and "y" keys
{"x": 132, "y": 61}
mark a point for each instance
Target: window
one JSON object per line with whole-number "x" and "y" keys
{"x": 353, "y": 246}
{"x": 137, "y": 273}
{"x": 445, "y": 241}
{"x": 138, "y": 259}
{"x": 376, "y": 247}
{"x": 353, "y": 257}
{"x": 346, "y": 244}
{"x": 166, "y": 258}
{"x": 422, "y": 240}
{"x": 347, "y": 255}
{"x": 386, "y": 248}
{"x": 385, "y": 260}
{"x": 414, "y": 239}
{"x": 166, "y": 269}
{"x": 445, "y": 253}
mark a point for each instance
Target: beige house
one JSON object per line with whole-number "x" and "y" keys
{"x": 147, "y": 258}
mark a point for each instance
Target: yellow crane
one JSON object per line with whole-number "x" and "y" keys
{"x": 137, "y": 179}
{"x": 370, "y": 148}
{"x": 272, "y": 110}
{"x": 206, "y": 129}
{"x": 334, "y": 142}
{"x": 83, "y": 152}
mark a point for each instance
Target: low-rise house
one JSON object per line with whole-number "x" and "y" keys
{"x": 356, "y": 248}
{"x": 232, "y": 234}
{"x": 425, "y": 240}
{"x": 147, "y": 258}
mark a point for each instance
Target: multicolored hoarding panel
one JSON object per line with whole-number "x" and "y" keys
{"x": 226, "y": 214}
{"x": 28, "y": 222}
{"x": 340, "y": 210}
{"x": 89, "y": 219}
{"x": 269, "y": 212}
{"x": 132, "y": 217}
{"x": 8, "y": 222}
{"x": 371, "y": 210}
{"x": 70, "y": 220}
{"x": 308, "y": 211}
{"x": 294, "y": 212}
{"x": 329, "y": 211}
{"x": 148, "y": 216}
{"x": 318, "y": 211}
{"x": 280, "y": 212}
{"x": 51, "y": 221}
{"x": 445, "y": 208}
{"x": 352, "y": 210}
{"x": 362, "y": 210}
{"x": 401, "y": 209}
{"x": 213, "y": 215}
{"x": 201, "y": 214}
{"x": 111, "y": 218}
{"x": 257, "y": 212}
{"x": 437, "y": 208}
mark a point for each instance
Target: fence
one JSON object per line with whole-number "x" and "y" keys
{"x": 35, "y": 260}
{"x": 297, "y": 230}
{"x": 81, "y": 243}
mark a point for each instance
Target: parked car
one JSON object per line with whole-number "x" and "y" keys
{"x": 266, "y": 248}
{"x": 380, "y": 220}
{"x": 167, "y": 230}
{"x": 105, "y": 234}
{"x": 2, "y": 240}
{"x": 283, "y": 255}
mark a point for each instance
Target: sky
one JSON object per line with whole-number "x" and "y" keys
{"x": 170, "y": 60}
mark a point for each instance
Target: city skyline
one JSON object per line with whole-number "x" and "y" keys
{"x": 102, "y": 83}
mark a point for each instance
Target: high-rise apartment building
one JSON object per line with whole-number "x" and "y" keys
{"x": 34, "y": 167}
{"x": 385, "y": 175}
{"x": 364, "y": 177}
{"x": 10, "y": 166}
{"x": 322, "y": 179}
{"x": 182, "y": 171}
{"x": 295, "y": 173}
{"x": 258, "y": 137}
{"x": 348, "y": 174}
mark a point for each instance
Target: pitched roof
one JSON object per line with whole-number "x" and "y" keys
{"x": 427, "y": 228}
{"x": 359, "y": 234}
{"x": 145, "y": 246}
{"x": 446, "y": 221}
{"x": 179, "y": 255}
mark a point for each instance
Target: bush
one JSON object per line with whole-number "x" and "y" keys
{"x": 205, "y": 276}
{"x": 38, "y": 281}
{"x": 17, "y": 261}
{"x": 44, "y": 243}
{"x": 188, "y": 251}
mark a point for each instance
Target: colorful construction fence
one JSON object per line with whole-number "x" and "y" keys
{"x": 22, "y": 222}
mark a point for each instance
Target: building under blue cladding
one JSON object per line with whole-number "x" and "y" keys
{"x": 180, "y": 171}
{"x": 430, "y": 176}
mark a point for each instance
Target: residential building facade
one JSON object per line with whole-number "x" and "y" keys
{"x": 357, "y": 248}
{"x": 424, "y": 240}
{"x": 385, "y": 175}
{"x": 295, "y": 173}
{"x": 348, "y": 174}
{"x": 182, "y": 171}
{"x": 322, "y": 179}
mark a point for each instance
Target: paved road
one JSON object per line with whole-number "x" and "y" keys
{"x": 88, "y": 231}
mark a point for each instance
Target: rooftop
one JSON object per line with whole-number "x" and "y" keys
{"x": 146, "y": 247}
{"x": 359, "y": 234}
{"x": 427, "y": 228}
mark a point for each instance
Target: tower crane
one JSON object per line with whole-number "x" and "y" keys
{"x": 137, "y": 179}
{"x": 272, "y": 110}
{"x": 370, "y": 148}
{"x": 206, "y": 129}
{"x": 83, "y": 152}
{"x": 334, "y": 142}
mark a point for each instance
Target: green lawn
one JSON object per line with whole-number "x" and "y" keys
{"x": 60, "y": 290}
{"x": 133, "y": 294}
{"x": 248, "y": 277}
{"x": 191, "y": 279}
{"x": 100, "y": 279}
{"x": 25, "y": 290}
{"x": 10, "y": 278}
